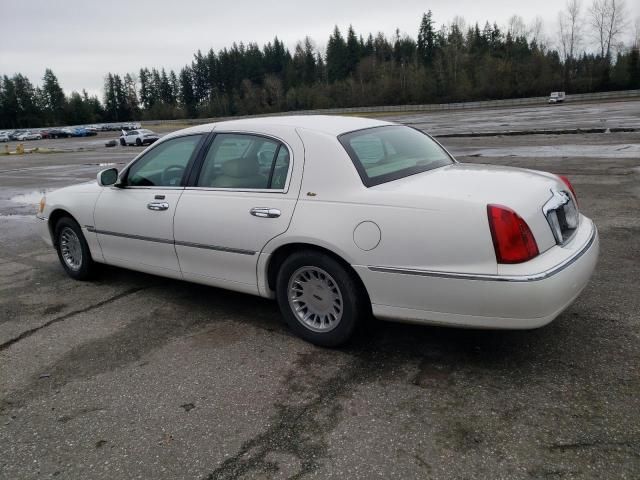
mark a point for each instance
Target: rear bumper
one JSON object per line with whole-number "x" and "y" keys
{"x": 513, "y": 299}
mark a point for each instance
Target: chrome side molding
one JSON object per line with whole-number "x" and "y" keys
{"x": 239, "y": 251}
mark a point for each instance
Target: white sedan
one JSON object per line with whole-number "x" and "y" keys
{"x": 138, "y": 137}
{"x": 336, "y": 218}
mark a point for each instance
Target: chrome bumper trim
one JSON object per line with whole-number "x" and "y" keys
{"x": 494, "y": 278}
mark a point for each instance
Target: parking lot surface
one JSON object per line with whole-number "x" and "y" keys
{"x": 136, "y": 376}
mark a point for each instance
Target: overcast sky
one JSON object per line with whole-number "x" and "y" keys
{"x": 83, "y": 40}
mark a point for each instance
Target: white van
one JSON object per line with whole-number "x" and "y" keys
{"x": 556, "y": 97}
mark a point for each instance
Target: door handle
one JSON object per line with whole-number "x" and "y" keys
{"x": 158, "y": 206}
{"x": 265, "y": 212}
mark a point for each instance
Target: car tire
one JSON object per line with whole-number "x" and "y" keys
{"x": 73, "y": 250}
{"x": 122, "y": 142}
{"x": 319, "y": 298}
{"x": 138, "y": 142}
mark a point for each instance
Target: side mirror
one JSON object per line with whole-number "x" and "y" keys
{"x": 107, "y": 177}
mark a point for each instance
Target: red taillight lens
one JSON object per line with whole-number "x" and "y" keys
{"x": 512, "y": 238}
{"x": 566, "y": 181}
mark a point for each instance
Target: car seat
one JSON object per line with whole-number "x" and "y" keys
{"x": 240, "y": 173}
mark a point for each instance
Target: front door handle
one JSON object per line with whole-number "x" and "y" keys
{"x": 265, "y": 212}
{"x": 158, "y": 206}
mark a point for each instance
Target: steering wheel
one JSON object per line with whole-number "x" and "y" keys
{"x": 172, "y": 175}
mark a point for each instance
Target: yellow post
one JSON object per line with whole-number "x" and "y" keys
{"x": 20, "y": 149}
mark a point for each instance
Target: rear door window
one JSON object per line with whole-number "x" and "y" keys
{"x": 243, "y": 161}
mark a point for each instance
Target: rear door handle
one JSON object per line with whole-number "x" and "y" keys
{"x": 158, "y": 206}
{"x": 265, "y": 212}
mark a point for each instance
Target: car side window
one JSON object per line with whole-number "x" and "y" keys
{"x": 244, "y": 161}
{"x": 165, "y": 164}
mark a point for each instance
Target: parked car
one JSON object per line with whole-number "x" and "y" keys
{"x": 83, "y": 132}
{"x": 138, "y": 137}
{"x": 556, "y": 97}
{"x": 60, "y": 133}
{"x": 4, "y": 137}
{"x": 334, "y": 217}
{"x": 28, "y": 136}
{"x": 15, "y": 134}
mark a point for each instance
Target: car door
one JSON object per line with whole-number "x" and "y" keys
{"x": 134, "y": 221}
{"x": 130, "y": 137}
{"x": 244, "y": 195}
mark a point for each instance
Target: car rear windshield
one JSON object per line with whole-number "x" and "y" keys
{"x": 383, "y": 154}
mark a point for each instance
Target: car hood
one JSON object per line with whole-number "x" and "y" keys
{"x": 461, "y": 186}
{"x": 68, "y": 195}
{"x": 86, "y": 187}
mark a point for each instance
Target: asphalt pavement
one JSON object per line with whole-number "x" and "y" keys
{"x": 136, "y": 376}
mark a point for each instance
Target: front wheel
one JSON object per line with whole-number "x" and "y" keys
{"x": 138, "y": 142}
{"x": 122, "y": 142}
{"x": 73, "y": 250}
{"x": 319, "y": 298}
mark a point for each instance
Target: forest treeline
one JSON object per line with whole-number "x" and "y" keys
{"x": 452, "y": 63}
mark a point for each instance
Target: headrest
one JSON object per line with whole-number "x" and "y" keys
{"x": 241, "y": 167}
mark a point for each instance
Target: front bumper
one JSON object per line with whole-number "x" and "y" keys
{"x": 43, "y": 229}
{"x": 513, "y": 299}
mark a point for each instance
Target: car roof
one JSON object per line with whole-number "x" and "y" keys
{"x": 330, "y": 124}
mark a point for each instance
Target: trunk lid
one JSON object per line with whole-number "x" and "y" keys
{"x": 524, "y": 191}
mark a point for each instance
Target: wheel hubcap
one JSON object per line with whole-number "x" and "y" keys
{"x": 70, "y": 248}
{"x": 315, "y": 299}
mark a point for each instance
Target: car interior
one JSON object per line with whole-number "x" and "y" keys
{"x": 245, "y": 163}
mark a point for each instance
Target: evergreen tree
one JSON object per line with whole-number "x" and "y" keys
{"x": 353, "y": 50}
{"x": 53, "y": 98}
{"x": 122, "y": 106}
{"x": 453, "y": 63}
{"x": 146, "y": 100}
{"x": 337, "y": 57}
{"x": 110, "y": 99}
{"x": 166, "y": 90}
{"x": 9, "y": 103}
{"x": 187, "y": 96}
{"x": 426, "y": 39}
{"x": 131, "y": 96}
{"x": 634, "y": 68}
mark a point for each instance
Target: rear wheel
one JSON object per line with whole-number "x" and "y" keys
{"x": 319, "y": 299}
{"x": 73, "y": 250}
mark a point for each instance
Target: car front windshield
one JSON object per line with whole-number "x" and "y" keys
{"x": 384, "y": 154}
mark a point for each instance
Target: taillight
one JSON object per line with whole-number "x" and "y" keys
{"x": 512, "y": 238}
{"x": 566, "y": 181}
